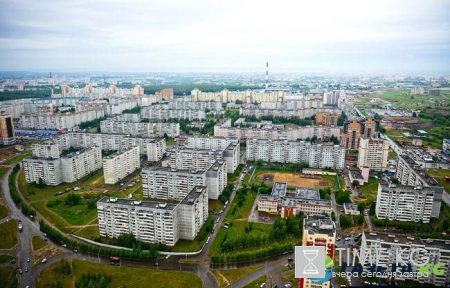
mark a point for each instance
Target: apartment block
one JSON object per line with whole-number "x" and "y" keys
{"x": 112, "y": 106}
{"x": 197, "y": 159}
{"x": 140, "y": 129}
{"x": 199, "y": 105}
{"x": 119, "y": 165}
{"x": 411, "y": 174}
{"x": 154, "y": 222}
{"x": 166, "y": 114}
{"x": 373, "y": 153}
{"x": 247, "y": 96}
{"x": 404, "y": 203}
{"x": 283, "y": 151}
{"x": 67, "y": 168}
{"x": 318, "y": 230}
{"x": 174, "y": 184}
{"x": 49, "y": 149}
{"x": 7, "y": 135}
{"x": 327, "y": 118}
{"x": 354, "y": 130}
{"x": 228, "y": 145}
{"x": 303, "y": 113}
{"x": 55, "y": 121}
{"x": 411, "y": 248}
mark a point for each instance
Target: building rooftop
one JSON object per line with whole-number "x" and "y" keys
{"x": 392, "y": 238}
{"x": 172, "y": 170}
{"x": 306, "y": 193}
{"x": 195, "y": 193}
{"x": 350, "y": 206}
{"x": 279, "y": 189}
{"x": 319, "y": 224}
{"x": 356, "y": 174}
{"x": 268, "y": 197}
{"x": 216, "y": 165}
{"x": 78, "y": 152}
{"x": 132, "y": 202}
{"x": 291, "y": 202}
{"x": 419, "y": 170}
{"x": 437, "y": 243}
{"x": 118, "y": 153}
{"x": 398, "y": 188}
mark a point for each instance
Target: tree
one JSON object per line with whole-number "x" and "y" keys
{"x": 259, "y": 162}
{"x": 355, "y": 183}
{"x": 41, "y": 183}
{"x": 414, "y": 114}
{"x": 395, "y": 180}
{"x": 361, "y": 207}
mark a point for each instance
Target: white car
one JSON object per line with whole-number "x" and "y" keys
{"x": 347, "y": 239}
{"x": 44, "y": 260}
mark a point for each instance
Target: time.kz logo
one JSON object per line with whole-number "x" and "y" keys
{"x": 313, "y": 263}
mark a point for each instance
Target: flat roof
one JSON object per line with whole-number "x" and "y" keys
{"x": 398, "y": 188}
{"x": 172, "y": 170}
{"x": 291, "y": 202}
{"x": 195, "y": 193}
{"x": 307, "y": 193}
{"x": 390, "y": 237}
{"x": 132, "y": 202}
{"x": 356, "y": 174}
{"x": 118, "y": 153}
{"x": 419, "y": 170}
{"x": 350, "y": 206}
{"x": 319, "y": 224}
{"x": 279, "y": 189}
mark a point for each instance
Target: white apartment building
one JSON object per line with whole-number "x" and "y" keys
{"x": 154, "y": 148}
{"x": 198, "y": 105}
{"x": 283, "y": 151}
{"x": 174, "y": 184}
{"x": 57, "y": 121}
{"x": 154, "y": 222}
{"x": 140, "y": 129}
{"x": 113, "y": 106}
{"x": 197, "y": 159}
{"x": 411, "y": 174}
{"x": 284, "y": 112}
{"x": 404, "y": 203}
{"x": 229, "y": 145}
{"x": 127, "y": 117}
{"x": 165, "y": 114}
{"x": 68, "y": 168}
{"x": 247, "y": 96}
{"x": 50, "y": 149}
{"x": 435, "y": 250}
{"x": 119, "y": 165}
{"x": 373, "y": 153}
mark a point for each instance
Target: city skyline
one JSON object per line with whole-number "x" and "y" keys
{"x": 351, "y": 37}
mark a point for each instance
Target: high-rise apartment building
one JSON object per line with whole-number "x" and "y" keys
{"x": 167, "y": 93}
{"x": 7, "y": 135}
{"x": 199, "y": 105}
{"x": 373, "y": 153}
{"x": 49, "y": 149}
{"x": 318, "y": 230}
{"x": 140, "y": 129}
{"x": 119, "y": 165}
{"x": 404, "y": 203}
{"x": 354, "y": 130}
{"x": 59, "y": 121}
{"x": 165, "y": 114}
{"x": 154, "y": 222}
{"x": 327, "y": 119}
{"x": 283, "y": 151}
{"x": 411, "y": 174}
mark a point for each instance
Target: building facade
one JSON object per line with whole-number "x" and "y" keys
{"x": 140, "y": 129}
{"x": 373, "y": 153}
{"x": 7, "y": 135}
{"x": 119, "y": 165}
{"x": 166, "y": 114}
{"x": 354, "y": 130}
{"x": 55, "y": 121}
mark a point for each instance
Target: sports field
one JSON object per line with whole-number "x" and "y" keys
{"x": 295, "y": 179}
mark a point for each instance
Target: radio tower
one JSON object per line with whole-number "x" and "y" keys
{"x": 51, "y": 83}
{"x": 267, "y": 75}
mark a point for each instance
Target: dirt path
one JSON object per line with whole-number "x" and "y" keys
{"x": 223, "y": 278}
{"x": 72, "y": 276}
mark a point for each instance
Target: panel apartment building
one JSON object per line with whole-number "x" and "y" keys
{"x": 174, "y": 184}
{"x": 404, "y": 203}
{"x": 198, "y": 105}
{"x": 435, "y": 250}
{"x": 165, "y": 114}
{"x": 67, "y": 168}
{"x": 411, "y": 174}
{"x": 140, "y": 129}
{"x": 7, "y": 135}
{"x": 231, "y": 150}
{"x": 57, "y": 121}
{"x": 121, "y": 164}
{"x": 354, "y": 130}
{"x": 373, "y": 153}
{"x": 154, "y": 222}
{"x": 247, "y": 96}
{"x": 283, "y": 151}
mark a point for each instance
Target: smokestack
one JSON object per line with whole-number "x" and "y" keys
{"x": 267, "y": 75}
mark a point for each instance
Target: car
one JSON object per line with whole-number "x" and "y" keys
{"x": 347, "y": 239}
{"x": 44, "y": 260}
{"x": 338, "y": 239}
{"x": 64, "y": 245}
{"x": 285, "y": 252}
{"x": 75, "y": 250}
{"x": 26, "y": 269}
{"x": 45, "y": 239}
{"x": 28, "y": 259}
{"x": 290, "y": 259}
{"x": 20, "y": 271}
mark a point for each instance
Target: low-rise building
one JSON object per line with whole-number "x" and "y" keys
{"x": 351, "y": 209}
{"x": 119, "y": 165}
{"x": 317, "y": 171}
{"x": 362, "y": 176}
{"x": 154, "y": 222}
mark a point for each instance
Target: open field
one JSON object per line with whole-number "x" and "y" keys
{"x": 17, "y": 158}
{"x": 89, "y": 232}
{"x": 227, "y": 277}
{"x": 3, "y": 211}
{"x": 8, "y": 235}
{"x": 5, "y": 258}
{"x": 8, "y": 277}
{"x": 403, "y": 99}
{"x": 256, "y": 283}
{"x": 439, "y": 175}
{"x": 293, "y": 179}
{"x": 369, "y": 191}
{"x": 120, "y": 276}
{"x": 38, "y": 243}
{"x": 7, "y": 153}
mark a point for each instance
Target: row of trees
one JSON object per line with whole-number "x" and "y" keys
{"x": 226, "y": 193}
{"x": 92, "y": 123}
{"x": 414, "y": 227}
{"x": 57, "y": 236}
{"x": 342, "y": 197}
{"x": 26, "y": 209}
{"x": 280, "y": 120}
{"x": 250, "y": 255}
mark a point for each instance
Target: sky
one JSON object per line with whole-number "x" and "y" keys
{"x": 225, "y": 36}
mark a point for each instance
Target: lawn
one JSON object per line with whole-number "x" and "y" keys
{"x": 215, "y": 205}
{"x": 294, "y": 179}
{"x": 231, "y": 178}
{"x": 89, "y": 232}
{"x": 8, "y": 235}
{"x": 8, "y": 277}
{"x": 227, "y": 277}
{"x": 3, "y": 171}
{"x": 392, "y": 154}
{"x": 38, "y": 243}
{"x": 192, "y": 245}
{"x": 120, "y": 276}
{"x": 17, "y": 158}
{"x": 52, "y": 216}
{"x": 3, "y": 211}
{"x": 256, "y": 283}
{"x": 403, "y": 99}
{"x": 369, "y": 191}
{"x": 75, "y": 215}
{"x": 439, "y": 175}
{"x": 5, "y": 258}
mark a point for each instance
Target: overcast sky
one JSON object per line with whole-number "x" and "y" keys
{"x": 227, "y": 35}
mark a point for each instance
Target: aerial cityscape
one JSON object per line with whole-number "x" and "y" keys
{"x": 228, "y": 144}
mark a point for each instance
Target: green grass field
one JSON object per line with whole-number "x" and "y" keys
{"x": 75, "y": 215}
{"x": 8, "y": 235}
{"x": 5, "y": 258}
{"x": 369, "y": 191}
{"x": 256, "y": 283}
{"x": 3, "y": 211}
{"x": 8, "y": 277}
{"x": 439, "y": 175}
{"x": 192, "y": 245}
{"x": 38, "y": 243}
{"x": 3, "y": 171}
{"x": 227, "y": 277}
{"x": 17, "y": 158}
{"x": 403, "y": 99}
{"x": 120, "y": 276}
{"x": 52, "y": 216}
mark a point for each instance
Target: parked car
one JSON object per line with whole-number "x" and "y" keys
{"x": 44, "y": 260}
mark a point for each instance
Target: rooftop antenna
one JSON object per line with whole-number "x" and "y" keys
{"x": 267, "y": 75}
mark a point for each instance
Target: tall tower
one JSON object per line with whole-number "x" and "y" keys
{"x": 267, "y": 75}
